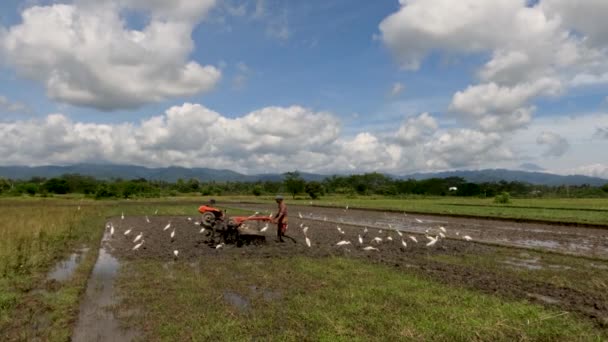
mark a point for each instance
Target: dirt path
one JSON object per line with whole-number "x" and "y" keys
{"x": 589, "y": 242}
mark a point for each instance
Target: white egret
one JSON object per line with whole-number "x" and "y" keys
{"x": 389, "y": 238}
{"x": 301, "y": 225}
{"x": 167, "y": 226}
{"x": 418, "y": 220}
{"x": 308, "y": 242}
{"x": 173, "y": 234}
{"x": 78, "y": 208}
{"x": 380, "y": 231}
{"x": 432, "y": 242}
{"x": 377, "y": 240}
{"x": 299, "y": 214}
{"x": 202, "y": 230}
{"x": 443, "y": 229}
{"x": 365, "y": 230}
{"x": 111, "y": 230}
{"x": 468, "y": 238}
{"x": 155, "y": 211}
{"x": 128, "y": 231}
{"x": 270, "y": 216}
{"x": 175, "y": 252}
{"x": 264, "y": 228}
{"x": 457, "y": 233}
{"x": 442, "y": 235}
{"x": 189, "y": 218}
{"x": 360, "y": 240}
{"x": 138, "y": 237}
{"x": 122, "y": 216}
{"x": 147, "y": 219}
{"x": 370, "y": 248}
{"x": 343, "y": 242}
{"x": 430, "y": 237}
{"x": 413, "y": 238}
{"x": 304, "y": 230}
{"x": 196, "y": 223}
{"x": 403, "y": 243}
{"x": 399, "y": 233}
{"x": 219, "y": 246}
{"x": 136, "y": 247}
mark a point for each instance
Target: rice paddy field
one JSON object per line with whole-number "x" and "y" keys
{"x": 66, "y": 275}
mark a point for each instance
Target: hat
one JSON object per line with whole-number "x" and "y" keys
{"x": 278, "y": 197}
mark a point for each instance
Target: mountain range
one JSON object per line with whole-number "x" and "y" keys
{"x": 172, "y": 174}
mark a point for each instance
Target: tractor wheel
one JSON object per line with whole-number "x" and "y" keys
{"x": 207, "y": 220}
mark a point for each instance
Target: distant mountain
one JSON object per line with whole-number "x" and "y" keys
{"x": 172, "y": 174}
{"x": 496, "y": 175}
{"x": 169, "y": 174}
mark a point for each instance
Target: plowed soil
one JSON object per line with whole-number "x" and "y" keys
{"x": 324, "y": 235}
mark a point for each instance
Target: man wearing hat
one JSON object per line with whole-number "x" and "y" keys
{"x": 281, "y": 218}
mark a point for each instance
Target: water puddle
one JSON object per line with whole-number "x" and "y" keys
{"x": 237, "y": 300}
{"x": 64, "y": 269}
{"x": 529, "y": 264}
{"x": 96, "y": 321}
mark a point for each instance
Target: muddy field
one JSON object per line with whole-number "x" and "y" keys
{"x": 418, "y": 257}
{"x": 589, "y": 242}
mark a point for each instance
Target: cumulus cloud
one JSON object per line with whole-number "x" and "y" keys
{"x": 272, "y": 138}
{"x": 396, "y": 89}
{"x": 556, "y": 144}
{"x": 91, "y": 58}
{"x": 416, "y": 130}
{"x": 465, "y": 147}
{"x": 538, "y": 50}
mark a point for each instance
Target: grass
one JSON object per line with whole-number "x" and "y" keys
{"x": 316, "y": 299}
{"x": 584, "y": 210}
{"x": 332, "y": 299}
{"x": 581, "y": 274}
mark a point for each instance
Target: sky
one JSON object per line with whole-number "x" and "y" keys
{"x": 326, "y": 86}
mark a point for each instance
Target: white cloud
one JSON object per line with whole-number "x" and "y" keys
{"x": 465, "y": 148}
{"x": 556, "y": 144}
{"x": 11, "y": 106}
{"x": 269, "y": 139}
{"x": 501, "y": 108}
{"x": 92, "y": 59}
{"x": 535, "y": 51}
{"x": 416, "y": 130}
{"x": 396, "y": 89}
{"x": 592, "y": 170}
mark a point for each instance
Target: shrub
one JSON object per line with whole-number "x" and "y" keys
{"x": 503, "y": 198}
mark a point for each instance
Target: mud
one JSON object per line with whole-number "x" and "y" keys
{"x": 195, "y": 247}
{"x": 583, "y": 241}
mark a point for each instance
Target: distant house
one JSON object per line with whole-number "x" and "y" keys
{"x": 453, "y": 188}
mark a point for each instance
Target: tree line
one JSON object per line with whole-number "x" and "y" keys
{"x": 292, "y": 183}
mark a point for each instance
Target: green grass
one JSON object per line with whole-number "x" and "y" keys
{"x": 585, "y": 210}
{"x": 332, "y": 299}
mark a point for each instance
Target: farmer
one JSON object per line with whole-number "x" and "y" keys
{"x": 281, "y": 218}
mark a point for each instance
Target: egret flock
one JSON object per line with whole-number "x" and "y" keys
{"x": 433, "y": 235}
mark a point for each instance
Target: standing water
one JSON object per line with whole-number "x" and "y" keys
{"x": 96, "y": 321}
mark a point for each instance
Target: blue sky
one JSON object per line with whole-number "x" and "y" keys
{"x": 371, "y": 68}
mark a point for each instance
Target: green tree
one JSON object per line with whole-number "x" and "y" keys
{"x": 57, "y": 186}
{"x": 314, "y": 189}
{"x": 294, "y": 183}
{"x": 605, "y": 187}
{"x": 257, "y": 190}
